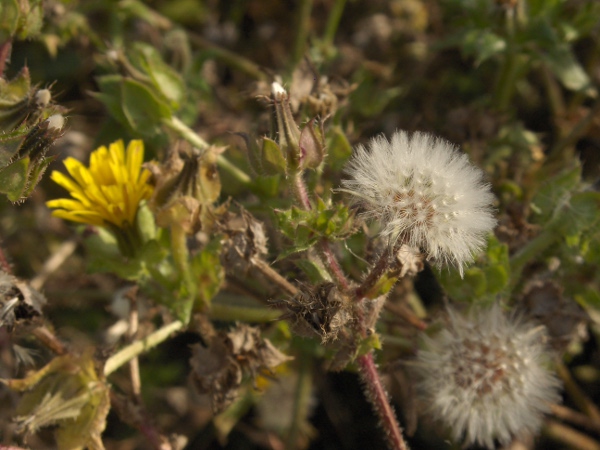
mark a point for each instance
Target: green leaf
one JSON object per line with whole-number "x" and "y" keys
{"x": 314, "y": 272}
{"x": 554, "y": 194}
{"x": 482, "y": 44}
{"x": 133, "y": 104}
{"x": 564, "y": 65}
{"x": 142, "y": 108}
{"x": 482, "y": 282}
{"x": 272, "y": 161}
{"x": 14, "y": 179}
{"x": 339, "y": 149}
{"x": 305, "y": 228}
{"x": 166, "y": 80}
{"x": 111, "y": 96}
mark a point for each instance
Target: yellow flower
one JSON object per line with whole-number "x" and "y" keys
{"x": 107, "y": 193}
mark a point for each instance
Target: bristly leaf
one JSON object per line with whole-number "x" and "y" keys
{"x": 327, "y": 221}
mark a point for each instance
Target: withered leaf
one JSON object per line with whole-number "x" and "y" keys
{"x": 69, "y": 393}
{"x": 217, "y": 370}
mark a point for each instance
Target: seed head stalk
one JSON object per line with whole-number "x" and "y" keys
{"x": 367, "y": 368}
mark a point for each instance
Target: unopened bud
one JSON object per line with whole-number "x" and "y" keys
{"x": 187, "y": 185}
{"x": 43, "y": 97}
{"x": 56, "y": 122}
{"x": 289, "y": 133}
{"x": 312, "y": 146}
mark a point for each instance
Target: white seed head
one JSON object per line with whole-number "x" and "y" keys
{"x": 485, "y": 377}
{"x": 393, "y": 180}
{"x": 56, "y": 121}
{"x": 42, "y": 97}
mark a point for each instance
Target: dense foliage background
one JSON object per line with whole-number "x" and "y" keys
{"x": 514, "y": 83}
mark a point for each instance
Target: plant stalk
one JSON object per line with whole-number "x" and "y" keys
{"x": 136, "y": 348}
{"x": 185, "y": 132}
{"x": 380, "y": 401}
{"x": 303, "y": 14}
{"x": 333, "y": 21}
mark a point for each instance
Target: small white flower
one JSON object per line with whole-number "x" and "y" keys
{"x": 425, "y": 194}
{"x": 484, "y": 376}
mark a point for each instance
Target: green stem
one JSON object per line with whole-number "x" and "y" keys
{"x": 232, "y": 59}
{"x": 136, "y": 348}
{"x": 511, "y": 67}
{"x": 303, "y": 14}
{"x": 185, "y": 132}
{"x": 333, "y": 22}
{"x": 230, "y": 313}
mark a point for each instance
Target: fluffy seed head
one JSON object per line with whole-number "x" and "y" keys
{"x": 484, "y": 376}
{"x": 425, "y": 193}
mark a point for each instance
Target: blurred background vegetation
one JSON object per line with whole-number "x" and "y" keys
{"x": 513, "y": 82}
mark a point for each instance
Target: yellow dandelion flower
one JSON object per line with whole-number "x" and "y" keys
{"x": 109, "y": 192}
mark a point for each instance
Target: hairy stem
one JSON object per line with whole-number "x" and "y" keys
{"x": 366, "y": 364}
{"x": 380, "y": 401}
{"x": 300, "y": 192}
{"x": 378, "y": 270}
{"x": 332, "y": 265}
{"x": 136, "y": 348}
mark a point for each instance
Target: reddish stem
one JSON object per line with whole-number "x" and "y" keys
{"x": 4, "y": 55}
{"x": 300, "y": 191}
{"x": 333, "y": 266}
{"x": 366, "y": 364}
{"x": 4, "y": 265}
{"x": 374, "y": 275}
{"x": 380, "y": 401}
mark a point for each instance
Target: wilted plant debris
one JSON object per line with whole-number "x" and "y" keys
{"x": 299, "y": 225}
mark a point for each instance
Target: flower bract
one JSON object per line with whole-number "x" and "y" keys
{"x": 485, "y": 377}
{"x": 109, "y": 191}
{"x": 424, "y": 193}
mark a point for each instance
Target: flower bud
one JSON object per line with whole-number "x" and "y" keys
{"x": 302, "y": 148}
{"x": 23, "y": 157}
{"x": 312, "y": 145}
{"x": 187, "y": 185}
